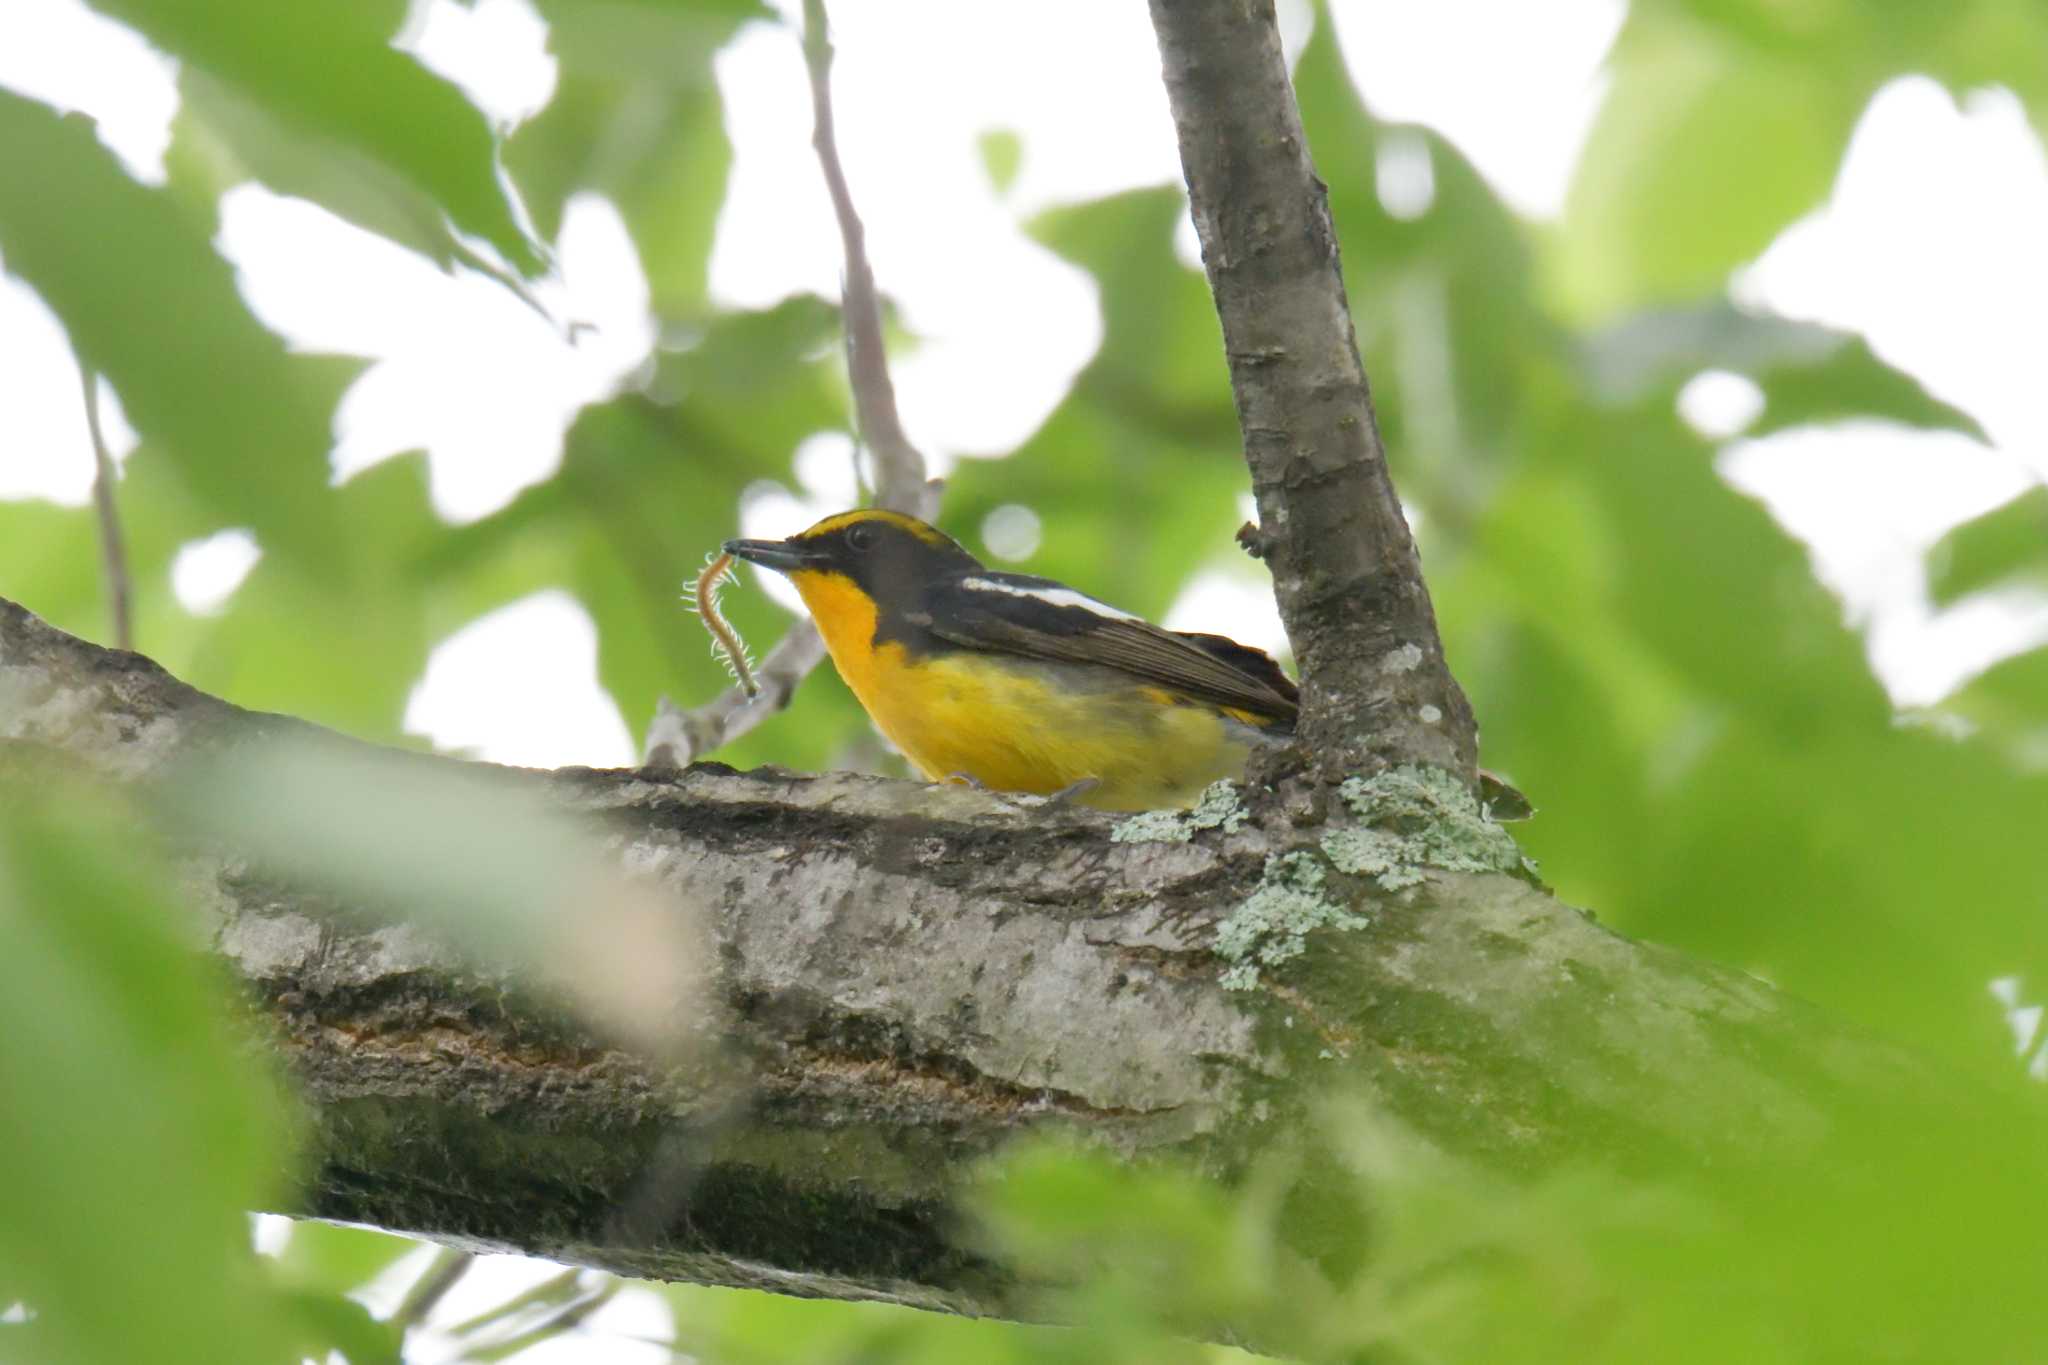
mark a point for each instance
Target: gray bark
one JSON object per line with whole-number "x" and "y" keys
{"x": 1375, "y": 686}
{"x": 900, "y": 979}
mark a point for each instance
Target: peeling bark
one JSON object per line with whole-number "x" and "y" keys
{"x": 905, "y": 977}
{"x": 1375, "y": 687}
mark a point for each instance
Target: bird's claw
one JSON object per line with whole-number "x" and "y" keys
{"x": 1028, "y": 800}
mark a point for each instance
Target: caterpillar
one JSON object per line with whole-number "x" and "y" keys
{"x": 726, "y": 644}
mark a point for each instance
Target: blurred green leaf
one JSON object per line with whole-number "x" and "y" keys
{"x": 1984, "y": 42}
{"x": 2009, "y": 702}
{"x": 636, "y": 117}
{"x": 1442, "y": 299}
{"x": 2003, "y": 42}
{"x": 643, "y": 37}
{"x": 2007, "y": 546}
{"x": 1728, "y": 117}
{"x": 1809, "y": 374}
{"x": 140, "y": 1126}
{"x": 335, "y": 1257}
{"x": 737, "y": 1327}
{"x": 223, "y": 138}
{"x": 149, "y": 304}
{"x": 324, "y": 1321}
{"x": 482, "y": 863}
{"x": 1154, "y": 1248}
{"x": 1701, "y": 154}
{"x": 49, "y": 556}
{"x": 660, "y": 154}
{"x": 650, "y": 484}
{"x": 1830, "y": 1254}
{"x": 1002, "y": 156}
{"x": 332, "y": 71}
{"x": 1147, "y": 424}
{"x": 1715, "y": 766}
{"x": 341, "y": 648}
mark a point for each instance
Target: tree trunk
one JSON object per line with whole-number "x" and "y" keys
{"x": 900, "y": 978}
{"x": 1376, "y": 688}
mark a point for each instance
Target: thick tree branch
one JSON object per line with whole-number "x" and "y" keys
{"x": 902, "y": 978}
{"x": 1375, "y": 686}
{"x": 677, "y": 736}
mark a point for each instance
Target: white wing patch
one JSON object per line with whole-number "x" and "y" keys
{"x": 1056, "y": 597}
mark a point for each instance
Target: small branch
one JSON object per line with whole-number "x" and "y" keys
{"x": 1375, "y": 686}
{"x": 113, "y": 552}
{"x": 565, "y": 1319}
{"x": 899, "y": 468}
{"x": 442, "y": 1274}
{"x": 549, "y": 1295}
{"x": 677, "y": 737}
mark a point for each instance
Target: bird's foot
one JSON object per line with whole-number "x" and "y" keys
{"x": 1073, "y": 791}
{"x": 1064, "y": 796}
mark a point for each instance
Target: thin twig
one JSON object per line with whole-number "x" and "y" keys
{"x": 442, "y": 1274}
{"x": 113, "y": 552}
{"x": 550, "y": 1294}
{"x": 677, "y": 736}
{"x": 565, "y": 1319}
{"x": 899, "y": 468}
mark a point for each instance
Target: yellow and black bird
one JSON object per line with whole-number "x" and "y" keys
{"x": 1021, "y": 683}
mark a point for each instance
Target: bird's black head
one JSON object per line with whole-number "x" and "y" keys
{"x": 889, "y": 556}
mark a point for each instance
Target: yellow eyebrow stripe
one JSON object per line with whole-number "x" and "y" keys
{"x": 927, "y": 534}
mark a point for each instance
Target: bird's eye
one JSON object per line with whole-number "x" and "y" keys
{"x": 861, "y": 537}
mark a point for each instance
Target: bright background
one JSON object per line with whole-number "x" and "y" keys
{"x": 1930, "y": 246}
{"x": 1561, "y": 348}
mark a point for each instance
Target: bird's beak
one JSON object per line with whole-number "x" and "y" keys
{"x": 784, "y": 556}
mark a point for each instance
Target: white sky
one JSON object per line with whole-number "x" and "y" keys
{"x": 1931, "y": 248}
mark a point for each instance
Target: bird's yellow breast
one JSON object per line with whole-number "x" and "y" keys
{"x": 1015, "y": 724}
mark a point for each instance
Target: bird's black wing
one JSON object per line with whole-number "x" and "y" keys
{"x": 1255, "y": 663}
{"x": 1041, "y": 619}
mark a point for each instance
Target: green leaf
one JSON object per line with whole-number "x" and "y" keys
{"x": 1702, "y": 153}
{"x": 223, "y": 138}
{"x": 331, "y": 69}
{"x": 1064, "y": 1215}
{"x": 1161, "y": 341}
{"x": 49, "y": 562}
{"x": 634, "y": 38}
{"x": 658, "y": 150}
{"x": 336, "y": 1258}
{"x": 1992, "y": 42}
{"x": 1148, "y": 422}
{"x": 324, "y": 1321}
{"x": 342, "y": 647}
{"x": 2005, "y": 547}
{"x": 2009, "y": 702}
{"x": 1002, "y": 156}
{"x": 649, "y": 485}
{"x": 149, "y": 304}
{"x": 152, "y": 1126}
{"x": 1809, "y": 373}
{"x": 636, "y": 117}
{"x": 1443, "y": 302}
{"x": 739, "y": 1327}
{"x": 1715, "y": 766}
{"x": 1986, "y": 42}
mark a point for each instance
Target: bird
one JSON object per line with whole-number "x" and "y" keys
{"x": 1016, "y": 683}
